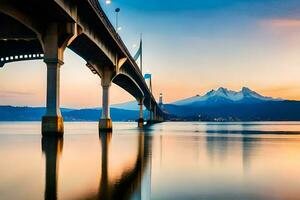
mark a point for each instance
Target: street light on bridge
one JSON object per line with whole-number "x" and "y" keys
{"x": 117, "y": 19}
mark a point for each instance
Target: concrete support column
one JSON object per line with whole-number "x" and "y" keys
{"x": 154, "y": 114}
{"x": 105, "y": 102}
{"x": 161, "y": 118}
{"x": 52, "y": 122}
{"x": 141, "y": 117}
{"x": 105, "y": 123}
{"x": 53, "y": 87}
{"x": 151, "y": 115}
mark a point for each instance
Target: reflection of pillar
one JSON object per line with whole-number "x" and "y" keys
{"x": 105, "y": 123}
{"x": 104, "y": 190}
{"x": 216, "y": 147}
{"x": 146, "y": 166}
{"x": 247, "y": 148}
{"x": 52, "y": 122}
{"x": 141, "y": 117}
{"x": 129, "y": 186}
{"x": 52, "y": 148}
{"x": 140, "y": 165}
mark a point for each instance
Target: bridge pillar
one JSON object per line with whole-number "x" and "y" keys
{"x": 141, "y": 117}
{"x": 151, "y": 115}
{"x": 105, "y": 123}
{"x": 56, "y": 38}
{"x": 52, "y": 122}
{"x": 154, "y": 114}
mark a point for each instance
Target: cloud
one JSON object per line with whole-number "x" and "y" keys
{"x": 281, "y": 23}
{"x": 288, "y": 91}
{"x": 9, "y": 94}
{"x": 285, "y": 28}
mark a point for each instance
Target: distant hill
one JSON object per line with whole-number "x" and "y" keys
{"x": 259, "y": 111}
{"x": 11, "y": 113}
{"x": 95, "y": 114}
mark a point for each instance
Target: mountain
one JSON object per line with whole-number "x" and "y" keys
{"x": 223, "y": 96}
{"x": 227, "y": 105}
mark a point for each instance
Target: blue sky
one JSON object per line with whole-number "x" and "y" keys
{"x": 190, "y": 47}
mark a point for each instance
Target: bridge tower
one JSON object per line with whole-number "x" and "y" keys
{"x": 160, "y": 103}
{"x": 148, "y": 79}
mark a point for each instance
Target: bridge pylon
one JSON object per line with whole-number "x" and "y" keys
{"x": 105, "y": 123}
{"x": 55, "y": 42}
{"x": 141, "y": 116}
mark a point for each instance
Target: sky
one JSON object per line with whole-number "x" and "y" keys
{"x": 190, "y": 47}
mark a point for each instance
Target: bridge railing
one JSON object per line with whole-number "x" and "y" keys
{"x": 113, "y": 32}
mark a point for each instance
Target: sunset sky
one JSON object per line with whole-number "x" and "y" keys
{"x": 190, "y": 47}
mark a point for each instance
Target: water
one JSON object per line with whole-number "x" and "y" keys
{"x": 167, "y": 161}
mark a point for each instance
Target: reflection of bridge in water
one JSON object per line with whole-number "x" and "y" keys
{"x": 52, "y": 148}
{"x": 35, "y": 29}
{"x": 129, "y": 186}
{"x": 134, "y": 183}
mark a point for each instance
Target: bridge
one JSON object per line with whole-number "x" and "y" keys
{"x": 35, "y": 29}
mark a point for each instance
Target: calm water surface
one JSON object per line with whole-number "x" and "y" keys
{"x": 166, "y": 161}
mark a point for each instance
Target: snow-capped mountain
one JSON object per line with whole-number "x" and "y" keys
{"x": 223, "y": 96}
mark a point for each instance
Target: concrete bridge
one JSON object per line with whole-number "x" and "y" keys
{"x": 35, "y": 29}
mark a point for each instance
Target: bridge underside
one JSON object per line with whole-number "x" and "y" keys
{"x": 17, "y": 42}
{"x": 89, "y": 51}
{"x": 35, "y": 29}
{"x": 128, "y": 85}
